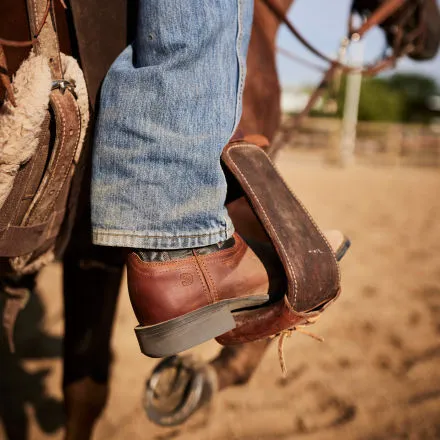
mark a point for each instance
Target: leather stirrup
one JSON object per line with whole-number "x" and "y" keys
{"x": 308, "y": 260}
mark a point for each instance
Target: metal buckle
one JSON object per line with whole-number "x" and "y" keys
{"x": 63, "y": 85}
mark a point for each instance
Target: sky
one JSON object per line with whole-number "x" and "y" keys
{"x": 323, "y": 23}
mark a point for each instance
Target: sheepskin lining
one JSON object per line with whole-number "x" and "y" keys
{"x": 20, "y": 128}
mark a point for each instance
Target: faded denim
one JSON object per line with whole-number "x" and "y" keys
{"x": 169, "y": 104}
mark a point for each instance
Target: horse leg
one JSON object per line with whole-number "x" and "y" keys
{"x": 236, "y": 364}
{"x": 92, "y": 277}
{"x": 84, "y": 402}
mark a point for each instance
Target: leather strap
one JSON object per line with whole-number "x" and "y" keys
{"x": 45, "y": 216}
{"x": 46, "y": 42}
{"x": 22, "y": 240}
{"x": 68, "y": 125}
{"x": 379, "y": 15}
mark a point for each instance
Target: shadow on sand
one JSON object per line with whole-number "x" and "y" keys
{"x": 21, "y": 390}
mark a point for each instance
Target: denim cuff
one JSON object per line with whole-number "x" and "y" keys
{"x": 131, "y": 239}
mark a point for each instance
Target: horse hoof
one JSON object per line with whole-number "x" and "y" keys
{"x": 177, "y": 388}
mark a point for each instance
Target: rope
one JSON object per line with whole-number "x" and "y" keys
{"x": 287, "y": 334}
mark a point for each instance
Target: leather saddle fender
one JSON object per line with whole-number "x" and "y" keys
{"x": 309, "y": 263}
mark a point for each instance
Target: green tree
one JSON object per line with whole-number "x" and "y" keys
{"x": 378, "y": 101}
{"x": 417, "y": 89}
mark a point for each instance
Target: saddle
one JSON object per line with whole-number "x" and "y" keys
{"x": 43, "y": 125}
{"x": 43, "y": 122}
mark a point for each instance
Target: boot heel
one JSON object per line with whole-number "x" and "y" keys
{"x": 179, "y": 334}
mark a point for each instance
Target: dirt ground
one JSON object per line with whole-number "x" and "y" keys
{"x": 376, "y": 376}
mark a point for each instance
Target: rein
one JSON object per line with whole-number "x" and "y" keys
{"x": 383, "y": 12}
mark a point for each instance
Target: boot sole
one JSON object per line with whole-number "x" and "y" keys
{"x": 181, "y": 333}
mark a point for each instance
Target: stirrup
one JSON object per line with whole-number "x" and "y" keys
{"x": 311, "y": 269}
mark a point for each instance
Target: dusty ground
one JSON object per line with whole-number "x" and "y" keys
{"x": 377, "y": 375}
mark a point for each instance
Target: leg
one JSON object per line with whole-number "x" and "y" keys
{"x": 170, "y": 103}
{"x": 236, "y": 364}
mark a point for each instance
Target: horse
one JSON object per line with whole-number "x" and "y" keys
{"x": 91, "y": 274}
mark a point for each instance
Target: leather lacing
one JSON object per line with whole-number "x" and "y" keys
{"x": 287, "y": 334}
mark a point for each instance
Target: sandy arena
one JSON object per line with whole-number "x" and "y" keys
{"x": 376, "y": 376}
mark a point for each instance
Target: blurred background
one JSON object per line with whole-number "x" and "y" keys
{"x": 398, "y": 112}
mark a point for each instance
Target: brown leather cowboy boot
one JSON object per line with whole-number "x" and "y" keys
{"x": 183, "y": 298}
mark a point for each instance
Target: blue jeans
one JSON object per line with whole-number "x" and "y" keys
{"x": 169, "y": 104}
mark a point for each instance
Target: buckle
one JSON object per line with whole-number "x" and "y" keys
{"x": 63, "y": 85}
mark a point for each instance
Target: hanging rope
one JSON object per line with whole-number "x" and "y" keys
{"x": 287, "y": 334}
